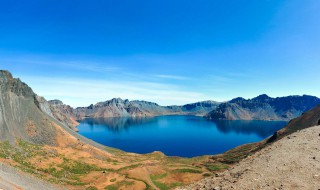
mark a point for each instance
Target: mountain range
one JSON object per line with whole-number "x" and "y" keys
{"x": 117, "y": 107}
{"x": 261, "y": 107}
{"x": 264, "y": 107}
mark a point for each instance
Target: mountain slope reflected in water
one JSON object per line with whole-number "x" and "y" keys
{"x": 261, "y": 128}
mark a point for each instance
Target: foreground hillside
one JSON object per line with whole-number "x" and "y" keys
{"x": 290, "y": 163}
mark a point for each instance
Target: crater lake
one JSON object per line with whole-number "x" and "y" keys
{"x": 185, "y": 136}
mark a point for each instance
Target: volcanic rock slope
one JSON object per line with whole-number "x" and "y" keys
{"x": 26, "y": 116}
{"x": 23, "y": 114}
{"x": 264, "y": 107}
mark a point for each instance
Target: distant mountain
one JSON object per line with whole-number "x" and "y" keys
{"x": 198, "y": 108}
{"x": 264, "y": 107}
{"x": 124, "y": 108}
{"x": 119, "y": 108}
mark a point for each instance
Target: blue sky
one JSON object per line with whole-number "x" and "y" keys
{"x": 169, "y": 52}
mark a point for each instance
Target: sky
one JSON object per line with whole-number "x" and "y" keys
{"x": 164, "y": 51}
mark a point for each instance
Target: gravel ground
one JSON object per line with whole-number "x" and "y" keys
{"x": 290, "y": 163}
{"x": 12, "y": 179}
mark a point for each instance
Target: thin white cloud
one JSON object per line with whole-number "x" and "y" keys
{"x": 78, "y": 64}
{"x": 89, "y": 66}
{"x": 176, "y": 77}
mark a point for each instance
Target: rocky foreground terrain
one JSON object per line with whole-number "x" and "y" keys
{"x": 290, "y": 163}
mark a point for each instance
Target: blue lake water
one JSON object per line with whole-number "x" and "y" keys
{"x": 185, "y": 136}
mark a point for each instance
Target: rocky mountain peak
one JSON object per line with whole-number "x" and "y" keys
{"x": 56, "y": 102}
{"x": 238, "y": 99}
{"x": 14, "y": 85}
{"x": 117, "y": 100}
{"x": 262, "y": 97}
{"x": 5, "y": 76}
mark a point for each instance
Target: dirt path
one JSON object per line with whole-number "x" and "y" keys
{"x": 291, "y": 163}
{"x": 12, "y": 179}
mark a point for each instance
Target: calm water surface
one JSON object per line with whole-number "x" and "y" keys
{"x": 186, "y": 136}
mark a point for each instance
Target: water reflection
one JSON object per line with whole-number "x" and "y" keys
{"x": 262, "y": 128}
{"x": 117, "y": 124}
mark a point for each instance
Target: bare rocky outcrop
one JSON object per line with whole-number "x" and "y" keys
{"x": 63, "y": 113}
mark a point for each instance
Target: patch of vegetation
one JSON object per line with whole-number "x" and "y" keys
{"x": 77, "y": 167}
{"x": 238, "y": 153}
{"x": 176, "y": 184}
{"x": 206, "y": 175}
{"x": 186, "y": 161}
{"x": 186, "y": 170}
{"x": 67, "y": 172}
{"x": 111, "y": 187}
{"x": 148, "y": 187}
{"x": 91, "y": 188}
{"x": 119, "y": 184}
{"x": 160, "y": 185}
{"x": 113, "y": 180}
{"x": 160, "y": 176}
{"x": 129, "y": 167}
{"x": 216, "y": 166}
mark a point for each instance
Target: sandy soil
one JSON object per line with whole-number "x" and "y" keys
{"x": 290, "y": 163}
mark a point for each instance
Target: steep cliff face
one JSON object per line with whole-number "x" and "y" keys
{"x": 264, "y": 107}
{"x": 63, "y": 113}
{"x": 23, "y": 114}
